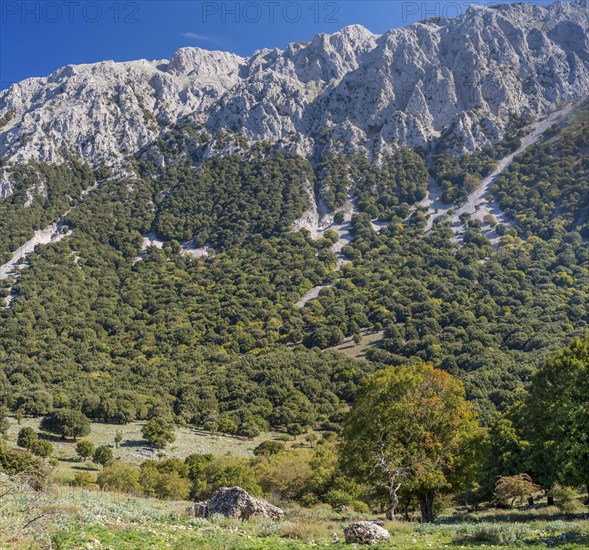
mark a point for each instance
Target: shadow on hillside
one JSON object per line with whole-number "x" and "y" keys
{"x": 133, "y": 443}
{"x": 204, "y": 433}
{"x": 85, "y": 468}
{"x": 57, "y": 438}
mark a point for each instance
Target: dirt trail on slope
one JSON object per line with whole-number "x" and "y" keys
{"x": 477, "y": 204}
{"x": 53, "y": 233}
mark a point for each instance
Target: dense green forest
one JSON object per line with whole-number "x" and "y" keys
{"x": 380, "y": 186}
{"x": 411, "y": 441}
{"x": 41, "y": 194}
{"x": 229, "y": 198}
{"x": 121, "y": 333}
{"x": 460, "y": 175}
{"x": 546, "y": 189}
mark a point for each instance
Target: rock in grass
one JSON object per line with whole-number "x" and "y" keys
{"x": 365, "y": 532}
{"x": 235, "y": 502}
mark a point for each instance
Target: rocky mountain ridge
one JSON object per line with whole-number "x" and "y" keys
{"x": 455, "y": 80}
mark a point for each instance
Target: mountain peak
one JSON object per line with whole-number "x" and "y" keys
{"x": 408, "y": 87}
{"x": 200, "y": 62}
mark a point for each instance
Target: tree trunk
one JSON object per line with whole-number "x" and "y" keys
{"x": 390, "y": 514}
{"x": 426, "y": 503}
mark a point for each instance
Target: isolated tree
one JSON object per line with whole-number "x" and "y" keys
{"x": 103, "y": 456}
{"x": 118, "y": 438}
{"x": 83, "y": 479}
{"x": 511, "y": 488}
{"x": 269, "y": 448}
{"x": 411, "y": 426}
{"x": 556, "y": 418}
{"x": 250, "y": 428}
{"x": 26, "y": 437}
{"x": 66, "y": 423}
{"x": 85, "y": 449}
{"x": 41, "y": 447}
{"x": 158, "y": 433}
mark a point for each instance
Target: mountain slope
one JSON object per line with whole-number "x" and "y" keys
{"x": 174, "y": 282}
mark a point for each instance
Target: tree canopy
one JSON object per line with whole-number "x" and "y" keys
{"x": 411, "y": 425}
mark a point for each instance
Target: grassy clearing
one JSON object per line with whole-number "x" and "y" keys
{"x": 134, "y": 449}
{"x": 76, "y": 518}
{"x": 358, "y": 351}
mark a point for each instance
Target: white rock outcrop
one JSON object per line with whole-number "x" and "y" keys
{"x": 365, "y": 532}
{"x": 458, "y": 77}
{"x": 235, "y": 502}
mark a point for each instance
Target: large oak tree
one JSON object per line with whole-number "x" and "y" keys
{"x": 412, "y": 426}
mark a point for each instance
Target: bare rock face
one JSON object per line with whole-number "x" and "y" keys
{"x": 365, "y": 532}
{"x": 437, "y": 79}
{"x": 235, "y": 502}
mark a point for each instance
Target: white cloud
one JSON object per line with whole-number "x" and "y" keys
{"x": 202, "y": 38}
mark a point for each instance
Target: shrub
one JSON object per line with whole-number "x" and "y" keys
{"x": 119, "y": 477}
{"x": 511, "y": 488}
{"x": 158, "y": 433}
{"x": 103, "y": 456}
{"x": 360, "y": 506}
{"x": 26, "y": 437}
{"x": 172, "y": 485}
{"x": 490, "y": 220}
{"x": 83, "y": 479}
{"x": 197, "y": 463}
{"x": 85, "y": 449}
{"x": 41, "y": 447}
{"x": 14, "y": 461}
{"x": 250, "y": 429}
{"x": 338, "y": 498}
{"x": 269, "y": 448}
{"x": 224, "y": 472}
{"x": 167, "y": 478}
{"x": 566, "y": 499}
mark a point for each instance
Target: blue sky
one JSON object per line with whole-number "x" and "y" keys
{"x": 37, "y": 37}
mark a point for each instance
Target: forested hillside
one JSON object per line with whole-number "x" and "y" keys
{"x": 546, "y": 190}
{"x": 99, "y": 324}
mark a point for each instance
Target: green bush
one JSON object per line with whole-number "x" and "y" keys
{"x": 42, "y": 448}
{"x": 269, "y": 448}
{"x": 158, "y": 433}
{"x": 26, "y": 437}
{"x": 566, "y": 499}
{"x": 103, "y": 456}
{"x": 85, "y": 449}
{"x": 119, "y": 477}
{"x": 14, "y": 461}
{"x": 83, "y": 479}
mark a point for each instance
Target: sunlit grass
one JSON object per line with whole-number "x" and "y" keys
{"x": 78, "y": 518}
